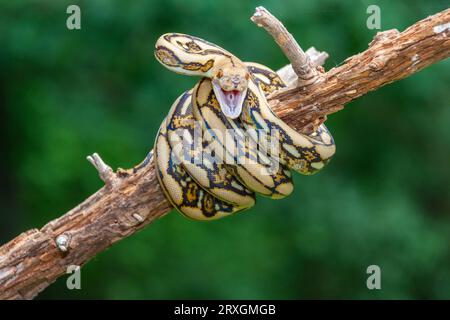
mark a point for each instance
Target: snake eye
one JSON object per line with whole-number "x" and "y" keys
{"x": 220, "y": 74}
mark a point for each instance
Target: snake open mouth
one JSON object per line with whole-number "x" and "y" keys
{"x": 230, "y": 101}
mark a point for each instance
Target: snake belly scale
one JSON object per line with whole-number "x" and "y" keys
{"x": 221, "y": 143}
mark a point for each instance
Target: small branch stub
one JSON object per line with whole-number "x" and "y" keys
{"x": 105, "y": 172}
{"x": 317, "y": 58}
{"x": 300, "y": 61}
{"x": 62, "y": 242}
{"x": 138, "y": 217}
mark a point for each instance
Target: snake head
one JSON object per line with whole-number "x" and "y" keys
{"x": 230, "y": 83}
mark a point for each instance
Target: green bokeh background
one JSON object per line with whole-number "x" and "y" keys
{"x": 384, "y": 199}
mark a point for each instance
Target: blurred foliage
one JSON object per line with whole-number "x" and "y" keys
{"x": 384, "y": 199}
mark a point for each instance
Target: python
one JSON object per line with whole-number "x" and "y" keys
{"x": 238, "y": 148}
{"x": 231, "y": 95}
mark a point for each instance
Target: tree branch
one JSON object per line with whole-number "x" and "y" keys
{"x": 391, "y": 56}
{"x": 133, "y": 199}
{"x": 301, "y": 64}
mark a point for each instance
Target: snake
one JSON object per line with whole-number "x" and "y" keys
{"x": 221, "y": 144}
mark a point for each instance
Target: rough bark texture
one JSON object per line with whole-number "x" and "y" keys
{"x": 391, "y": 56}
{"x": 129, "y": 202}
{"x": 32, "y": 261}
{"x": 301, "y": 64}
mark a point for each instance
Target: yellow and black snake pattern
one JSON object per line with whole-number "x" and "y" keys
{"x": 221, "y": 143}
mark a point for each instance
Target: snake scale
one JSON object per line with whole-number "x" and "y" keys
{"x": 220, "y": 143}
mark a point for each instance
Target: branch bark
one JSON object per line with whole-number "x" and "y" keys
{"x": 301, "y": 63}
{"x": 130, "y": 200}
{"x": 391, "y": 56}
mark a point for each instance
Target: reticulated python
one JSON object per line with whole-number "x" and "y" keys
{"x": 221, "y": 143}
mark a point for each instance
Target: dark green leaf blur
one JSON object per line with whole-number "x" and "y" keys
{"x": 383, "y": 200}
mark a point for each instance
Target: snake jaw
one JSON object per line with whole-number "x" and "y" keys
{"x": 230, "y": 102}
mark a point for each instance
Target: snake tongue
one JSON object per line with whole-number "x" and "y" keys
{"x": 230, "y": 101}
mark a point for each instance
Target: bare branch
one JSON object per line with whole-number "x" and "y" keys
{"x": 105, "y": 172}
{"x": 317, "y": 58}
{"x": 301, "y": 63}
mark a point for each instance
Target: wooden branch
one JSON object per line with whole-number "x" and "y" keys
{"x": 391, "y": 56}
{"x": 301, "y": 64}
{"x": 317, "y": 59}
{"x": 104, "y": 171}
{"x": 133, "y": 199}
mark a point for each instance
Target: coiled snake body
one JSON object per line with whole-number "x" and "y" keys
{"x": 221, "y": 142}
